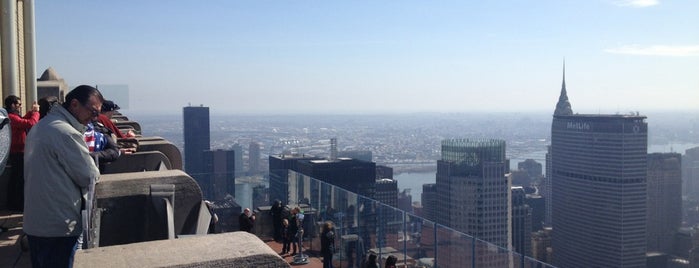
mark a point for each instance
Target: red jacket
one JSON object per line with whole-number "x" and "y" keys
{"x": 20, "y": 127}
{"x": 110, "y": 125}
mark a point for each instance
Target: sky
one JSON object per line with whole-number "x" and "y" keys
{"x": 325, "y": 57}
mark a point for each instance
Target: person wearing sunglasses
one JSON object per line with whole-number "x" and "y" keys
{"x": 60, "y": 174}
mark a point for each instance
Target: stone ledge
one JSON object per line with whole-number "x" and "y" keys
{"x": 238, "y": 249}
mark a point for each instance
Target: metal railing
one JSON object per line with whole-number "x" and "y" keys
{"x": 365, "y": 226}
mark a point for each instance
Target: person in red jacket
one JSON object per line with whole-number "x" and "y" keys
{"x": 20, "y": 126}
{"x": 108, "y": 108}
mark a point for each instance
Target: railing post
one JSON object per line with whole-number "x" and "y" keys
{"x": 405, "y": 237}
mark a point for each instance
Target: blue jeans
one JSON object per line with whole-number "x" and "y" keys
{"x": 52, "y": 251}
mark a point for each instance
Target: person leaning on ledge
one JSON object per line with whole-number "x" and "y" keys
{"x": 58, "y": 170}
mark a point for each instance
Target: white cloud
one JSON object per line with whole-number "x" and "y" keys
{"x": 657, "y": 50}
{"x": 636, "y": 3}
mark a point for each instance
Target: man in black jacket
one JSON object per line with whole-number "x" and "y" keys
{"x": 246, "y": 220}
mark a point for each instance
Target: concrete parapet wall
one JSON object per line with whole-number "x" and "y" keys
{"x": 165, "y": 147}
{"x": 238, "y": 249}
{"x": 137, "y": 162}
{"x": 123, "y": 201}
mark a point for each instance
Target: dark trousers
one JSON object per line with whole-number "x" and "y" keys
{"x": 15, "y": 185}
{"x": 286, "y": 245}
{"x": 277, "y": 223}
{"x": 328, "y": 260}
{"x": 52, "y": 251}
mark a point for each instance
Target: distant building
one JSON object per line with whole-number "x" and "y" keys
{"x": 532, "y": 168}
{"x": 384, "y": 172}
{"x": 541, "y": 245}
{"x": 350, "y": 174}
{"x": 51, "y": 84}
{"x": 405, "y": 201}
{"x": 279, "y": 167}
{"x": 197, "y": 139}
{"x": 219, "y": 178}
{"x": 598, "y": 165}
{"x": 521, "y": 222}
{"x": 254, "y": 158}
{"x": 472, "y": 195}
{"x": 429, "y": 201}
{"x": 520, "y": 178}
{"x": 538, "y": 205}
{"x": 664, "y": 200}
{"x": 690, "y": 173}
{"x": 387, "y": 192}
{"x": 364, "y": 155}
{"x": 238, "y": 159}
{"x": 545, "y": 188}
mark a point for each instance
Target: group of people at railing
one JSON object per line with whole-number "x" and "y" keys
{"x": 288, "y": 224}
{"x": 55, "y": 148}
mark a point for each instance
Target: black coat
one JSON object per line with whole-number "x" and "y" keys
{"x": 246, "y": 223}
{"x": 327, "y": 243}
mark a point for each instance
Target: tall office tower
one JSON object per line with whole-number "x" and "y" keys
{"x": 387, "y": 192}
{"x": 473, "y": 197}
{"x": 219, "y": 178}
{"x": 664, "y": 200}
{"x": 471, "y": 180}
{"x": 690, "y": 173}
{"x": 545, "y": 188}
{"x": 383, "y": 172}
{"x": 521, "y": 222}
{"x": 238, "y": 159}
{"x": 598, "y": 165}
{"x": 429, "y": 201}
{"x": 279, "y": 167}
{"x": 197, "y": 139}
{"x": 254, "y": 158}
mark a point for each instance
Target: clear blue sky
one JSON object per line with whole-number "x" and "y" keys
{"x": 378, "y": 56}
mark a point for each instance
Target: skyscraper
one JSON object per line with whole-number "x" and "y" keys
{"x": 219, "y": 178}
{"x": 521, "y": 222}
{"x": 254, "y": 158}
{"x": 429, "y": 201}
{"x": 598, "y": 165}
{"x": 197, "y": 139}
{"x": 471, "y": 179}
{"x": 473, "y": 192}
{"x": 664, "y": 200}
{"x": 238, "y": 159}
{"x": 690, "y": 173}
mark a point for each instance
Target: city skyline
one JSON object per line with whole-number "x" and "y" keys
{"x": 342, "y": 57}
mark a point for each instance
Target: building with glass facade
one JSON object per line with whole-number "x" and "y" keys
{"x": 197, "y": 139}
{"x": 473, "y": 192}
{"x": 598, "y": 179}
